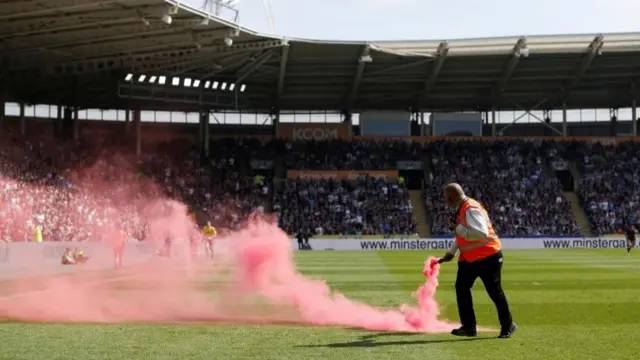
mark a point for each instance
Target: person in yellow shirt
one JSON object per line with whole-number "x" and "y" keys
{"x": 80, "y": 258}
{"x": 209, "y": 233}
{"x": 37, "y": 234}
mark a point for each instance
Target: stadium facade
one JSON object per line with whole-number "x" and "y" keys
{"x": 100, "y": 58}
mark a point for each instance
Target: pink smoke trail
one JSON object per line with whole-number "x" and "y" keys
{"x": 262, "y": 268}
{"x": 266, "y": 267}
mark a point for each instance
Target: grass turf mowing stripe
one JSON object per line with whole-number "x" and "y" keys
{"x": 548, "y": 294}
{"x": 567, "y": 310}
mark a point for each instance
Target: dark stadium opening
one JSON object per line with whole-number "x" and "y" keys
{"x": 413, "y": 178}
{"x": 566, "y": 179}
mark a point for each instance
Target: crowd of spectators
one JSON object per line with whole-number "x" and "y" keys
{"x": 507, "y": 178}
{"x": 79, "y": 191}
{"x": 349, "y": 155}
{"x": 366, "y": 206}
{"x": 83, "y": 191}
{"x": 609, "y": 184}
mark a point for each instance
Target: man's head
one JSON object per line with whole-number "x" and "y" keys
{"x": 453, "y": 194}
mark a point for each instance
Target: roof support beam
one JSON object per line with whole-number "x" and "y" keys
{"x": 364, "y": 58}
{"x": 592, "y": 51}
{"x": 252, "y": 66}
{"x": 430, "y": 80}
{"x": 284, "y": 59}
{"x": 73, "y": 6}
{"x": 443, "y": 51}
{"x": 161, "y": 33}
{"x": 104, "y": 18}
{"x": 519, "y": 50}
{"x": 130, "y": 59}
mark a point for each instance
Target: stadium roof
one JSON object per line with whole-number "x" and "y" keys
{"x": 79, "y": 52}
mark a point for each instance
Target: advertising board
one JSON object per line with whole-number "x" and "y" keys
{"x": 341, "y": 174}
{"x": 314, "y": 131}
{"x": 426, "y": 244}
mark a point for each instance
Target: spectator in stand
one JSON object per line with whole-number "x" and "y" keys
{"x": 50, "y": 185}
{"x": 608, "y": 187}
{"x": 506, "y": 177}
{"x": 367, "y": 206}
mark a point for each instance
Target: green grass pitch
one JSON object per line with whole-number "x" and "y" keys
{"x": 570, "y": 304}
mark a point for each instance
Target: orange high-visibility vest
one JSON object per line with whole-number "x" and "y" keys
{"x": 471, "y": 251}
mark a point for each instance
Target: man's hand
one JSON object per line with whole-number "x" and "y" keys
{"x": 446, "y": 258}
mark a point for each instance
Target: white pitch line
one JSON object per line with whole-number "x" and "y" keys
{"x": 87, "y": 284}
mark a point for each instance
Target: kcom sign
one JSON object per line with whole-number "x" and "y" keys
{"x": 315, "y": 134}
{"x": 310, "y": 132}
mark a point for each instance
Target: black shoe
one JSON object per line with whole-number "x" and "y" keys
{"x": 462, "y": 331}
{"x": 506, "y": 333}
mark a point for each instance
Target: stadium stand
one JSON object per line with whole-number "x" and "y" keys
{"x": 609, "y": 183}
{"x": 42, "y": 185}
{"x": 507, "y": 177}
{"x": 349, "y": 155}
{"x": 367, "y": 206}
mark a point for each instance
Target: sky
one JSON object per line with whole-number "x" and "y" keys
{"x": 438, "y": 20}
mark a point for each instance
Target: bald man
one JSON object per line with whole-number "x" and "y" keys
{"x": 480, "y": 257}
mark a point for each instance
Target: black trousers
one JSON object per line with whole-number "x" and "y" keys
{"x": 489, "y": 270}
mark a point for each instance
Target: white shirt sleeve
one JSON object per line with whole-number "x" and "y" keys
{"x": 477, "y": 225}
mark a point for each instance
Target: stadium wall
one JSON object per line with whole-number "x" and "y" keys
{"x": 426, "y": 244}
{"x": 33, "y": 259}
{"x": 92, "y": 128}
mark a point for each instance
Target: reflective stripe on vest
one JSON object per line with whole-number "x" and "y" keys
{"x": 471, "y": 251}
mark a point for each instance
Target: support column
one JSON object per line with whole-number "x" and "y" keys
{"x": 200, "y": 132}
{"x": 347, "y": 118}
{"x": 613, "y": 127}
{"x": 66, "y": 123}
{"x": 634, "y": 118}
{"x": 207, "y": 128}
{"x": 546, "y": 117}
{"x": 493, "y": 122}
{"x": 564, "y": 119}
{"x": 138, "y": 126}
{"x": 57, "y": 123}
{"x": 422, "y": 124}
{"x": 76, "y": 125}
{"x": 127, "y": 121}
{"x": 634, "y": 105}
{"x": 275, "y": 118}
{"x": 204, "y": 133}
{"x": 23, "y": 121}
{"x": 3, "y": 105}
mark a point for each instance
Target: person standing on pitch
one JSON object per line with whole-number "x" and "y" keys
{"x": 119, "y": 244}
{"x": 480, "y": 257}
{"x": 631, "y": 238}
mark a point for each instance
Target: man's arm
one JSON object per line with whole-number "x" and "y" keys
{"x": 450, "y": 254}
{"x": 477, "y": 225}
